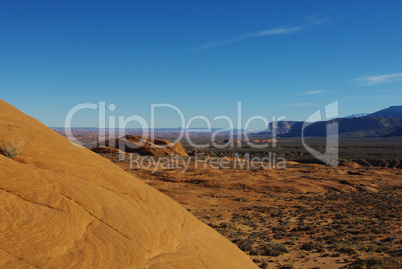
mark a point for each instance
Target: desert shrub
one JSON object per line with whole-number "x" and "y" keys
{"x": 254, "y": 252}
{"x": 376, "y": 263}
{"x": 11, "y": 148}
{"x": 346, "y": 250}
{"x": 312, "y": 246}
{"x": 246, "y": 247}
{"x": 287, "y": 266}
{"x": 390, "y": 238}
{"x": 278, "y": 235}
{"x": 274, "y": 249}
{"x": 242, "y": 200}
{"x": 303, "y": 227}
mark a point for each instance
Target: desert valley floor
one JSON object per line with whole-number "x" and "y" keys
{"x": 304, "y": 216}
{"x": 64, "y": 206}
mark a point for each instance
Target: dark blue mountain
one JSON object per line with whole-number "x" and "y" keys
{"x": 391, "y": 112}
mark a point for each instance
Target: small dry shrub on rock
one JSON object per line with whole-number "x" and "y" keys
{"x": 11, "y": 148}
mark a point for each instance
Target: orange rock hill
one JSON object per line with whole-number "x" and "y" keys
{"x": 62, "y": 206}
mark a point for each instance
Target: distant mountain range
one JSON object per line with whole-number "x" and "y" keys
{"x": 356, "y": 115}
{"x": 383, "y": 123}
{"x": 392, "y": 111}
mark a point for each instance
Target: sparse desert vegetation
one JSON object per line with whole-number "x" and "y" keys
{"x": 201, "y": 134}
{"x": 305, "y": 216}
{"x": 62, "y": 206}
{"x": 11, "y": 148}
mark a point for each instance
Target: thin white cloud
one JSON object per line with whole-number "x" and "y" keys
{"x": 311, "y": 21}
{"x": 314, "y": 92}
{"x": 269, "y": 32}
{"x": 316, "y": 20}
{"x": 279, "y": 31}
{"x": 374, "y": 80}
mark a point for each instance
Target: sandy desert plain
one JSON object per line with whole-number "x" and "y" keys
{"x": 68, "y": 206}
{"x": 304, "y": 215}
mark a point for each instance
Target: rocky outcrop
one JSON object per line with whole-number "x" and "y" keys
{"x": 144, "y": 146}
{"x": 63, "y": 206}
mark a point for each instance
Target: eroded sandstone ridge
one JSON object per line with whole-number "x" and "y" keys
{"x": 141, "y": 146}
{"x": 65, "y": 207}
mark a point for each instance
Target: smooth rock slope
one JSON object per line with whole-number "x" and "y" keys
{"x": 65, "y": 207}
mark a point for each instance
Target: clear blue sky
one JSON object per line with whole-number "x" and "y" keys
{"x": 276, "y": 57}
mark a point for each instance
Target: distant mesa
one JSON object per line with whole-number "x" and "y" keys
{"x": 391, "y": 112}
{"x": 354, "y": 127}
{"x": 142, "y": 146}
{"x": 386, "y": 122}
{"x": 279, "y": 127}
{"x": 64, "y": 206}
